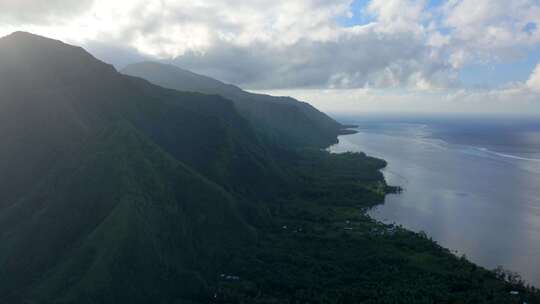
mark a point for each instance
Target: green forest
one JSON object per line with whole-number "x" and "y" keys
{"x": 323, "y": 248}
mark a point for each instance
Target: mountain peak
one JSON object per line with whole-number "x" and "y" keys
{"x": 23, "y": 34}
{"x": 35, "y": 58}
{"x": 25, "y": 38}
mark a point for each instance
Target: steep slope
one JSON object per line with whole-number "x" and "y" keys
{"x": 104, "y": 176}
{"x": 282, "y": 119}
{"x": 121, "y": 208}
{"x": 54, "y": 95}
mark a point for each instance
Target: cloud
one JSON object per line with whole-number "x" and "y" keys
{"x": 533, "y": 82}
{"x": 517, "y": 98}
{"x": 361, "y": 101}
{"x": 268, "y": 43}
{"x": 39, "y": 11}
{"x": 275, "y": 44}
{"x": 483, "y": 31}
{"x": 291, "y": 43}
{"x": 398, "y": 15}
{"x": 355, "y": 57}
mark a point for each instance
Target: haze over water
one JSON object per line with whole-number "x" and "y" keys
{"x": 472, "y": 184}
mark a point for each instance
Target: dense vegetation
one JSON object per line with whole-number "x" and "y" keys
{"x": 114, "y": 190}
{"x": 323, "y": 248}
{"x": 280, "y": 120}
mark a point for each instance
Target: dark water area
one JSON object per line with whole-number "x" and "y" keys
{"x": 470, "y": 183}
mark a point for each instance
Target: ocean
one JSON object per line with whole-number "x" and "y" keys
{"x": 470, "y": 183}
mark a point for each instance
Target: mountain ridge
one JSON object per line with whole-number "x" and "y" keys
{"x": 92, "y": 144}
{"x": 276, "y": 118}
{"x": 117, "y": 190}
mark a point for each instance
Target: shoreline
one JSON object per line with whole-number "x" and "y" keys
{"x": 398, "y": 190}
{"x": 323, "y": 236}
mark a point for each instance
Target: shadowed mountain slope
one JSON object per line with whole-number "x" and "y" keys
{"x": 121, "y": 209}
{"x": 103, "y": 175}
{"x": 280, "y": 119}
{"x": 54, "y": 95}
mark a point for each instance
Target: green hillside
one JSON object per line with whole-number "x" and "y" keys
{"x": 116, "y": 190}
{"x": 121, "y": 206}
{"x": 282, "y": 120}
{"x": 107, "y": 168}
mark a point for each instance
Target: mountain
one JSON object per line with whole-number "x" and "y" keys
{"x": 280, "y": 119}
{"x": 116, "y": 190}
{"x": 122, "y": 208}
{"x": 54, "y": 95}
{"x": 103, "y": 175}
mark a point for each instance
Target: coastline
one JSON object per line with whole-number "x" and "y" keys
{"x": 420, "y": 232}
{"x": 324, "y": 237}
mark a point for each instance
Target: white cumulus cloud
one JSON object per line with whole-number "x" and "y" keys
{"x": 533, "y": 82}
{"x": 413, "y": 47}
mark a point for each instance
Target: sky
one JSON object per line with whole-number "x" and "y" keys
{"x": 343, "y": 56}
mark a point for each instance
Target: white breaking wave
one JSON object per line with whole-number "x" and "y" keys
{"x": 485, "y": 150}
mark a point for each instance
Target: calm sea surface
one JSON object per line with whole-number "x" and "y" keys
{"x": 472, "y": 184}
